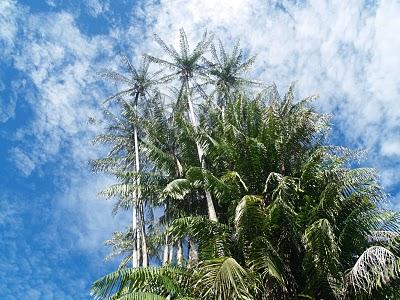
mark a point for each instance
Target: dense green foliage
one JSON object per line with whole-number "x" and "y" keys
{"x": 245, "y": 198}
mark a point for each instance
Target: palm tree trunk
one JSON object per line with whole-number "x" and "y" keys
{"x": 171, "y": 254}
{"x": 166, "y": 246}
{"x": 141, "y": 245}
{"x": 135, "y": 262}
{"x": 193, "y": 255}
{"x": 138, "y": 237}
{"x": 179, "y": 254}
{"x": 166, "y": 252}
{"x": 222, "y": 103}
{"x": 212, "y": 215}
{"x": 145, "y": 259}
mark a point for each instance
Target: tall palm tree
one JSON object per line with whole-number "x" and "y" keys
{"x": 185, "y": 65}
{"x": 138, "y": 85}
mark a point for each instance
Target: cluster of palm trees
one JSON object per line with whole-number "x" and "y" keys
{"x": 235, "y": 192}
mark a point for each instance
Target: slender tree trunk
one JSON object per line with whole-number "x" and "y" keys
{"x": 166, "y": 246}
{"x": 139, "y": 237}
{"x": 141, "y": 245}
{"x": 179, "y": 254}
{"x": 193, "y": 255}
{"x": 135, "y": 262}
{"x": 171, "y": 254}
{"x": 166, "y": 252}
{"x": 137, "y": 192}
{"x": 144, "y": 243}
{"x": 210, "y": 205}
{"x": 223, "y": 104}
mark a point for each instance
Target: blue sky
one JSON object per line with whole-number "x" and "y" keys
{"x": 52, "y": 225}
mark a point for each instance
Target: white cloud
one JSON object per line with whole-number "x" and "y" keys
{"x": 391, "y": 148}
{"x": 8, "y": 213}
{"x": 51, "y": 3}
{"x": 389, "y": 177}
{"x": 341, "y": 50}
{"x": 346, "y": 52}
{"x": 96, "y": 7}
{"x": 8, "y": 24}
{"x": 8, "y": 100}
{"x": 38, "y": 274}
{"x": 22, "y": 161}
{"x": 61, "y": 63}
{"x": 89, "y": 216}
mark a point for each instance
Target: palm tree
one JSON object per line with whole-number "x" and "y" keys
{"x": 138, "y": 87}
{"x": 225, "y": 73}
{"x": 296, "y": 222}
{"x": 185, "y": 65}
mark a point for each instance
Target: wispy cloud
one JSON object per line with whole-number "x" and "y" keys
{"x": 22, "y": 161}
{"x": 89, "y": 216}
{"x": 27, "y": 268}
{"x": 7, "y": 103}
{"x": 96, "y": 7}
{"x": 56, "y": 64}
{"x": 391, "y": 148}
{"x": 61, "y": 64}
{"x": 345, "y": 51}
{"x": 8, "y": 24}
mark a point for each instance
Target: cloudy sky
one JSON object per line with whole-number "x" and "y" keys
{"x": 52, "y": 225}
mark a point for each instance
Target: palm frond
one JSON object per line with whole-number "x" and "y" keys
{"x": 223, "y": 278}
{"x": 160, "y": 280}
{"x": 178, "y": 188}
{"x": 374, "y": 268}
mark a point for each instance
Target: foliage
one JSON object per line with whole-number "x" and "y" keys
{"x": 295, "y": 218}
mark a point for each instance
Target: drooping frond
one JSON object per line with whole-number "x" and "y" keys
{"x": 322, "y": 257}
{"x": 121, "y": 243}
{"x": 223, "y": 278}
{"x": 249, "y": 217}
{"x": 159, "y": 280}
{"x": 178, "y": 188}
{"x": 373, "y": 269}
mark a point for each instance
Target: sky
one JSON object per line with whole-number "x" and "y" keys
{"x": 52, "y": 223}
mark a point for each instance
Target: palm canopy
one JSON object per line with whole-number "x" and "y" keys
{"x": 139, "y": 81}
{"x": 225, "y": 71}
{"x": 184, "y": 63}
{"x": 297, "y": 221}
{"x": 296, "y": 218}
